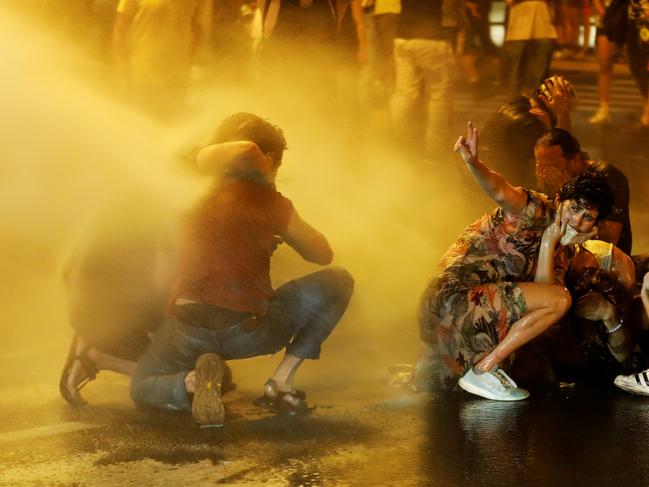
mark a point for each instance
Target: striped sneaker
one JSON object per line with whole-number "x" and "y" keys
{"x": 634, "y": 383}
{"x": 207, "y": 405}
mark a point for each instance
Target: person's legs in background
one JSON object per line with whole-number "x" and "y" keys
{"x": 515, "y": 51}
{"x": 536, "y": 64}
{"x": 639, "y": 66}
{"x": 435, "y": 62}
{"x": 407, "y": 92}
{"x": 605, "y": 58}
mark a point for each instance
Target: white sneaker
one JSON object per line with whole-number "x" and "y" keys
{"x": 634, "y": 383}
{"x": 600, "y": 117}
{"x": 495, "y": 384}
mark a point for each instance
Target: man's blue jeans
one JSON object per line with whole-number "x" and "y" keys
{"x": 301, "y": 315}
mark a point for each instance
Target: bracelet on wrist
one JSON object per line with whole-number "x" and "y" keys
{"x": 616, "y": 328}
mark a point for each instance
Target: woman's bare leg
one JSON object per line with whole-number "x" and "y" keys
{"x": 546, "y": 304}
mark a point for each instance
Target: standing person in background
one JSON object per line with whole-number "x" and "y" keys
{"x": 423, "y": 60}
{"x": 586, "y": 12}
{"x": 638, "y": 51}
{"x": 385, "y": 20}
{"x": 605, "y": 59}
{"x": 230, "y": 54}
{"x": 567, "y": 15}
{"x": 302, "y": 46}
{"x": 483, "y": 28}
{"x": 529, "y": 42}
{"x": 155, "y": 45}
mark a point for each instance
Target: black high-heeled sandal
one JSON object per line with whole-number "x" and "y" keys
{"x": 88, "y": 366}
{"x": 282, "y": 402}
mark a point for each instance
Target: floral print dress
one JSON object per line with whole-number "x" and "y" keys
{"x": 470, "y": 306}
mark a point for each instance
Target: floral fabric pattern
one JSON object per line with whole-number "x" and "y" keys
{"x": 470, "y": 306}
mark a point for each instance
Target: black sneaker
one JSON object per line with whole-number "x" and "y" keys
{"x": 207, "y": 406}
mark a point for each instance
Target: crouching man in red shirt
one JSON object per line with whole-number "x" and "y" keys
{"x": 223, "y": 306}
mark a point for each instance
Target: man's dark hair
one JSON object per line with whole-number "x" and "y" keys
{"x": 589, "y": 190}
{"x": 569, "y": 145}
{"x": 248, "y": 126}
{"x": 508, "y": 137}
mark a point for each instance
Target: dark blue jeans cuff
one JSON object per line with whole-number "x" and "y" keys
{"x": 307, "y": 352}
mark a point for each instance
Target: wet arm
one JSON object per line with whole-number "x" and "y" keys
{"x": 307, "y": 241}
{"x": 545, "y": 264}
{"x": 509, "y": 198}
{"x": 619, "y": 342}
{"x": 241, "y": 155}
{"x": 548, "y": 248}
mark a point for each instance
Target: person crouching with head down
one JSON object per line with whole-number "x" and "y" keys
{"x": 223, "y": 306}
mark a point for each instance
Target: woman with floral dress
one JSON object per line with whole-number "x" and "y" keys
{"x": 500, "y": 284}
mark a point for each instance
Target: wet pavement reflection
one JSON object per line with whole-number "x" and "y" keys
{"x": 361, "y": 432}
{"x": 590, "y": 436}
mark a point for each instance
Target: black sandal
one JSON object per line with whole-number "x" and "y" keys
{"x": 88, "y": 366}
{"x": 292, "y": 404}
{"x": 274, "y": 399}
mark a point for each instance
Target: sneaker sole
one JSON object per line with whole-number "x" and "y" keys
{"x": 207, "y": 406}
{"x": 480, "y": 392}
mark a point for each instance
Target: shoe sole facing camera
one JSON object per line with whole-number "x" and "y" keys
{"x": 633, "y": 384}
{"x": 207, "y": 406}
{"x": 473, "y": 389}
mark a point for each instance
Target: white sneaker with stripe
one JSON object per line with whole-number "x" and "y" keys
{"x": 634, "y": 383}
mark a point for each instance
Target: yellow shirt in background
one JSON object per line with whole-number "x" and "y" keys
{"x": 387, "y": 7}
{"x": 160, "y": 38}
{"x": 530, "y": 20}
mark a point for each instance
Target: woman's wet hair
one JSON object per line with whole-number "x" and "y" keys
{"x": 248, "y": 126}
{"x": 569, "y": 144}
{"x": 589, "y": 190}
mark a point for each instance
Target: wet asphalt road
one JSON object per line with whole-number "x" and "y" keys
{"x": 361, "y": 432}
